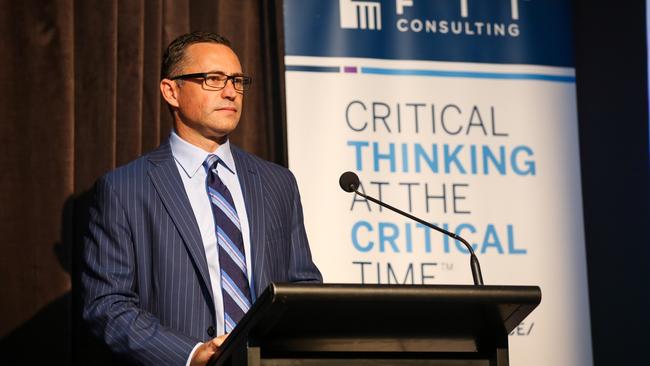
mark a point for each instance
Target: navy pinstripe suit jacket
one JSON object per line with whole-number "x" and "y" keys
{"x": 145, "y": 280}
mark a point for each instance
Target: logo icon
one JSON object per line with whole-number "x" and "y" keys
{"x": 360, "y": 14}
{"x": 401, "y": 4}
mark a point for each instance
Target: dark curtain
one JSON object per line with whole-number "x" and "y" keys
{"x": 79, "y": 96}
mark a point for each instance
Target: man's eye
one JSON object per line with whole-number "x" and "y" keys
{"x": 216, "y": 78}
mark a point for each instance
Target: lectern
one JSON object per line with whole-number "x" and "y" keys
{"x": 312, "y": 325}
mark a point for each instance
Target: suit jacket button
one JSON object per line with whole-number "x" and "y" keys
{"x": 211, "y": 331}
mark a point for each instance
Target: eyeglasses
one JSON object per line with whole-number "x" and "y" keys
{"x": 218, "y": 81}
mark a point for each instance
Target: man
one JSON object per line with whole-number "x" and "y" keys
{"x": 183, "y": 239}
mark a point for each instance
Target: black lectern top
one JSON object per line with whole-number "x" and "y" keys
{"x": 387, "y": 318}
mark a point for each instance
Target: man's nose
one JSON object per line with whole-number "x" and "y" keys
{"x": 229, "y": 91}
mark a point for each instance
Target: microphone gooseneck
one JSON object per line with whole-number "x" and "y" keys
{"x": 350, "y": 182}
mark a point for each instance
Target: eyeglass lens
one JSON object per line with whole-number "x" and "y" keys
{"x": 219, "y": 81}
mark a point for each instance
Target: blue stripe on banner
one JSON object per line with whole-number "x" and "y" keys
{"x": 313, "y": 68}
{"x": 468, "y": 74}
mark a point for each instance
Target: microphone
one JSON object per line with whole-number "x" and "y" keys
{"x": 349, "y": 182}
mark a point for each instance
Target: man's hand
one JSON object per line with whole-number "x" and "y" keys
{"x": 206, "y": 350}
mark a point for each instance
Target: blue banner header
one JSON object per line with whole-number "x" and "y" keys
{"x": 537, "y": 32}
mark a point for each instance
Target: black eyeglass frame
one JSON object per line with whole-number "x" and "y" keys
{"x": 246, "y": 80}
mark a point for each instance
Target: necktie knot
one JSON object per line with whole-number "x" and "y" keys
{"x": 211, "y": 162}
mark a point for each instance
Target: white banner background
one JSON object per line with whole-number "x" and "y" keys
{"x": 545, "y": 245}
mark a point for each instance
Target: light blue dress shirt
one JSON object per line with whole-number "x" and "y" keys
{"x": 189, "y": 161}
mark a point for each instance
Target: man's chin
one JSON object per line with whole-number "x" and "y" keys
{"x": 222, "y": 132}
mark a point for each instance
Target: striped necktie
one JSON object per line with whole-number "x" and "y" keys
{"x": 232, "y": 258}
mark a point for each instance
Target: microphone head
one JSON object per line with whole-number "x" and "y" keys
{"x": 349, "y": 182}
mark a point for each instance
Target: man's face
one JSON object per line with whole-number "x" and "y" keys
{"x": 204, "y": 113}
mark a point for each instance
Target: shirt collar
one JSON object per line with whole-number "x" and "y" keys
{"x": 191, "y": 157}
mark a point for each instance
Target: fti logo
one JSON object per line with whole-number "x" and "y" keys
{"x": 464, "y": 7}
{"x": 360, "y": 14}
{"x": 366, "y": 15}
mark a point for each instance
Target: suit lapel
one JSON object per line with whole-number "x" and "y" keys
{"x": 251, "y": 186}
{"x": 167, "y": 181}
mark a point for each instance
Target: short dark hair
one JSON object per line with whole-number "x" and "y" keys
{"x": 175, "y": 52}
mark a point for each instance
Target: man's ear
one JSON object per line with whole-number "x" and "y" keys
{"x": 169, "y": 91}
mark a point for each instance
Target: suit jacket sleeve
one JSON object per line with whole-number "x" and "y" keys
{"x": 302, "y": 268}
{"x": 110, "y": 297}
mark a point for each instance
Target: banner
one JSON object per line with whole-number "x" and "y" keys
{"x": 463, "y": 113}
